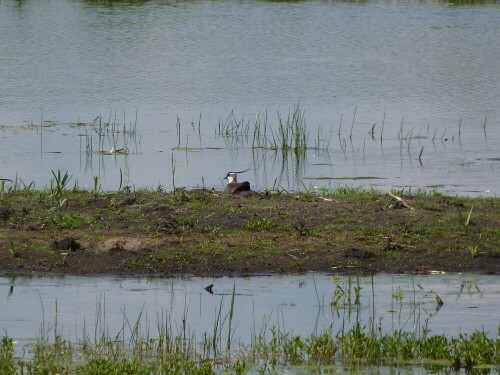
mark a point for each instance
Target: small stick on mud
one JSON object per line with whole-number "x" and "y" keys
{"x": 326, "y": 199}
{"x": 400, "y": 200}
{"x": 391, "y": 245}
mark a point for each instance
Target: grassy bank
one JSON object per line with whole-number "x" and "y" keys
{"x": 204, "y": 232}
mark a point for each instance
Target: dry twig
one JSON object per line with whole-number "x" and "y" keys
{"x": 400, "y": 200}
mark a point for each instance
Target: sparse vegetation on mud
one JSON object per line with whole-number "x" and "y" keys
{"x": 204, "y": 232}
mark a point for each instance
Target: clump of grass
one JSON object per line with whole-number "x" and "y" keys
{"x": 465, "y": 220}
{"x": 59, "y": 182}
{"x": 474, "y": 249}
{"x": 70, "y": 221}
{"x": 351, "y": 193}
{"x": 15, "y": 186}
{"x": 203, "y": 197}
{"x": 398, "y": 294}
{"x": 14, "y": 252}
{"x": 346, "y": 295}
{"x": 264, "y": 224}
{"x": 7, "y": 356}
{"x": 3, "y": 182}
{"x": 290, "y": 133}
{"x": 112, "y": 128}
{"x": 97, "y": 187}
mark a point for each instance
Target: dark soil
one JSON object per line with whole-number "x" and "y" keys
{"x": 207, "y": 233}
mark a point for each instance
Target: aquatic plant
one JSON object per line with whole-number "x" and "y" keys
{"x": 172, "y": 165}
{"x": 108, "y": 137}
{"x": 290, "y": 133}
{"x": 166, "y": 352}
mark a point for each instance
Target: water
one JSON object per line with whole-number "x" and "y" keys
{"x": 430, "y": 65}
{"x": 295, "y": 304}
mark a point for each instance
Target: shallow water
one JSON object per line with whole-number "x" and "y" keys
{"x": 430, "y": 65}
{"x": 297, "y": 304}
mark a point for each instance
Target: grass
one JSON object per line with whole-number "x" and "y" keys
{"x": 351, "y": 193}
{"x": 111, "y": 133}
{"x": 474, "y": 249}
{"x": 465, "y": 220}
{"x": 13, "y": 251}
{"x": 71, "y": 220}
{"x": 264, "y": 224}
{"x": 59, "y": 182}
{"x": 289, "y": 134}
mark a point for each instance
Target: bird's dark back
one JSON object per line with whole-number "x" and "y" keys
{"x": 237, "y": 187}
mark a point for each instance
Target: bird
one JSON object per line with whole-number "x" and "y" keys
{"x": 233, "y": 186}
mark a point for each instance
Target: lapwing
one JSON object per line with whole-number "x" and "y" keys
{"x": 233, "y": 186}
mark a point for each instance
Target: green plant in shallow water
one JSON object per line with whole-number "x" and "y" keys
{"x": 178, "y": 354}
{"x": 338, "y": 294}
{"x": 231, "y": 312}
{"x": 321, "y": 349}
{"x": 292, "y": 133}
{"x": 398, "y": 294}
{"x": 240, "y": 367}
{"x": 7, "y": 356}
{"x": 435, "y": 347}
{"x": 470, "y": 350}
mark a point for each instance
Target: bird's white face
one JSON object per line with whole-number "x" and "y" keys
{"x": 231, "y": 177}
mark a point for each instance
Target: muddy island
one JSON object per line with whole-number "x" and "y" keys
{"x": 207, "y": 233}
